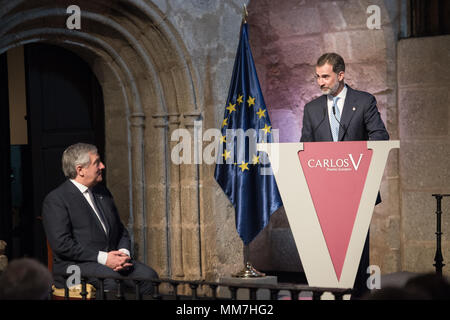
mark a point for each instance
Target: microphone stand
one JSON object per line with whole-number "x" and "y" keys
{"x": 340, "y": 125}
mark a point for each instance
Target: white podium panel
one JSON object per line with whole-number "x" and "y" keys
{"x": 329, "y": 191}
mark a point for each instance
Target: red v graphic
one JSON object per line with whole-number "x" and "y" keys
{"x": 336, "y": 174}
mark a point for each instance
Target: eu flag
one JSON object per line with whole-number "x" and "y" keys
{"x": 240, "y": 169}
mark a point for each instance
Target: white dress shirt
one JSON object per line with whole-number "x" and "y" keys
{"x": 102, "y": 255}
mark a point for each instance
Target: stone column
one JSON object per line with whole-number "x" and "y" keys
{"x": 137, "y": 125}
{"x": 157, "y": 160}
{"x": 175, "y": 220}
{"x": 189, "y": 182}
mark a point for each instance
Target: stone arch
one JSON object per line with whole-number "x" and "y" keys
{"x": 149, "y": 88}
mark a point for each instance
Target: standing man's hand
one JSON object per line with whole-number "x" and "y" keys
{"x": 118, "y": 260}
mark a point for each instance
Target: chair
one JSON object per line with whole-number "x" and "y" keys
{"x": 74, "y": 291}
{"x": 3, "y": 257}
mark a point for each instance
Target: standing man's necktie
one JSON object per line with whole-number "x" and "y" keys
{"x": 334, "y": 120}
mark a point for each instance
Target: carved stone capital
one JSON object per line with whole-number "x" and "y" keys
{"x": 137, "y": 119}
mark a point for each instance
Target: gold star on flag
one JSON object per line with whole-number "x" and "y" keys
{"x": 226, "y": 154}
{"x": 224, "y": 122}
{"x": 251, "y": 101}
{"x": 239, "y": 99}
{"x": 261, "y": 113}
{"x": 266, "y": 128}
{"x": 243, "y": 166}
{"x": 231, "y": 107}
{"x": 223, "y": 139}
{"x": 255, "y": 159}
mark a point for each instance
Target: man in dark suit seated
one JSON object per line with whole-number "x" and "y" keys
{"x": 343, "y": 114}
{"x": 83, "y": 226}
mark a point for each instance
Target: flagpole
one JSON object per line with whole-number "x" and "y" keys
{"x": 244, "y": 14}
{"x": 248, "y": 271}
{"x": 238, "y": 89}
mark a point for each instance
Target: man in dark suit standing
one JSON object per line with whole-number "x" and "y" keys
{"x": 342, "y": 114}
{"x": 83, "y": 226}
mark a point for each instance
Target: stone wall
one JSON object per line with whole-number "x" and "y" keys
{"x": 424, "y": 118}
{"x": 209, "y": 246}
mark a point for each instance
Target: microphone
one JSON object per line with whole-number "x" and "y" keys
{"x": 334, "y": 114}
{"x": 323, "y": 119}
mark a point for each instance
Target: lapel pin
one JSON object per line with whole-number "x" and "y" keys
{"x": 354, "y": 108}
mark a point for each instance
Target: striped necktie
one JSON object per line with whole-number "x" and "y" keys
{"x": 334, "y": 120}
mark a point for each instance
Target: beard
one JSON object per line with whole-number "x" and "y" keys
{"x": 332, "y": 90}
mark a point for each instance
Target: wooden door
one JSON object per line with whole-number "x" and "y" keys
{"x": 65, "y": 106}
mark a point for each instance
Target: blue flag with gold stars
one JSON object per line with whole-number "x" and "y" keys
{"x": 242, "y": 172}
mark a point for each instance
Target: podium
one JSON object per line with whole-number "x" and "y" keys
{"x": 329, "y": 190}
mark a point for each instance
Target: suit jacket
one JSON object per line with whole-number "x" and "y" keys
{"x": 73, "y": 230}
{"x": 360, "y": 120}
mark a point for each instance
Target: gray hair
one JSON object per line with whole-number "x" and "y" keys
{"x": 76, "y": 155}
